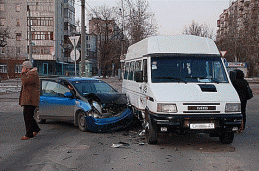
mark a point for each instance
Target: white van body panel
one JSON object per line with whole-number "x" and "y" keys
{"x": 184, "y": 44}
{"x": 191, "y": 92}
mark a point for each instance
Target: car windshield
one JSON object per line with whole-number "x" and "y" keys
{"x": 188, "y": 68}
{"x": 93, "y": 86}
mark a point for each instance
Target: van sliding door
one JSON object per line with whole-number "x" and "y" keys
{"x": 143, "y": 87}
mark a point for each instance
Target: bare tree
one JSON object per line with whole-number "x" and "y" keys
{"x": 137, "y": 20}
{"x": 108, "y": 38}
{"x": 198, "y": 30}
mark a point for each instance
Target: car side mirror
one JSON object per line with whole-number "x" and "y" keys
{"x": 139, "y": 76}
{"x": 68, "y": 95}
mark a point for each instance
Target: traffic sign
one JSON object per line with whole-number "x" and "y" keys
{"x": 74, "y": 40}
{"x": 223, "y": 53}
{"x": 74, "y": 56}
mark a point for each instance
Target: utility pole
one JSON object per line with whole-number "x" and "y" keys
{"x": 30, "y": 42}
{"x": 83, "y": 38}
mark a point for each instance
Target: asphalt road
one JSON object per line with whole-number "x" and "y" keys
{"x": 61, "y": 146}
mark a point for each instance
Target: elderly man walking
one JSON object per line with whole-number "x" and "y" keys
{"x": 29, "y": 98}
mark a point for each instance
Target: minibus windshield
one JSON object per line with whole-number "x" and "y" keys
{"x": 188, "y": 68}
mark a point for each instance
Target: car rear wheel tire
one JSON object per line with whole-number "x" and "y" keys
{"x": 37, "y": 116}
{"x": 82, "y": 122}
{"x": 151, "y": 132}
{"x": 226, "y": 137}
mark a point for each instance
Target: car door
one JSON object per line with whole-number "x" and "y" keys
{"x": 54, "y": 104}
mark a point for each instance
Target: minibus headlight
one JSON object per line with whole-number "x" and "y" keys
{"x": 233, "y": 107}
{"x": 167, "y": 108}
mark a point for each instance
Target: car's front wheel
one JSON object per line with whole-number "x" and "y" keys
{"x": 82, "y": 122}
{"x": 37, "y": 116}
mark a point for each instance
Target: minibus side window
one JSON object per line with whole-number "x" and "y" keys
{"x": 131, "y": 70}
{"x": 137, "y": 68}
{"x": 126, "y": 71}
{"x": 122, "y": 69}
{"x": 145, "y": 70}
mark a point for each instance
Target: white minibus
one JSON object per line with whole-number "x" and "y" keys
{"x": 179, "y": 84}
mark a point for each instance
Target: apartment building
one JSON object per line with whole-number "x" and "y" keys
{"x": 52, "y": 22}
{"x": 239, "y": 17}
{"x": 238, "y": 33}
{"x": 15, "y": 46}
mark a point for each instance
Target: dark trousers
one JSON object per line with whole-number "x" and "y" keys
{"x": 243, "y": 111}
{"x": 30, "y": 123}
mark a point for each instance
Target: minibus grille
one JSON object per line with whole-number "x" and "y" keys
{"x": 201, "y": 108}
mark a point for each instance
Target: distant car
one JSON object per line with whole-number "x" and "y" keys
{"x": 89, "y": 103}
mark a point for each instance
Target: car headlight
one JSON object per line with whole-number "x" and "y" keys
{"x": 233, "y": 107}
{"x": 167, "y": 108}
{"x": 95, "y": 114}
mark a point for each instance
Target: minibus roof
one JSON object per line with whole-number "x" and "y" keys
{"x": 178, "y": 44}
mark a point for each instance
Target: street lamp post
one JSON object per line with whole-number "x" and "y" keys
{"x": 83, "y": 38}
{"x": 30, "y": 42}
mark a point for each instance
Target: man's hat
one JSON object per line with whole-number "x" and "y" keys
{"x": 27, "y": 64}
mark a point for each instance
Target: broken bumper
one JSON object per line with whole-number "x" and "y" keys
{"x": 110, "y": 124}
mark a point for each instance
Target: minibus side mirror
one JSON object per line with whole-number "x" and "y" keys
{"x": 139, "y": 76}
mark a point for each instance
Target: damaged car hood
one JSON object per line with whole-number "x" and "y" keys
{"x": 118, "y": 98}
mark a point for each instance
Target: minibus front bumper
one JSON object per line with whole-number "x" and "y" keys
{"x": 203, "y": 123}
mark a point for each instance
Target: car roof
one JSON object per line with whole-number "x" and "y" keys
{"x": 71, "y": 79}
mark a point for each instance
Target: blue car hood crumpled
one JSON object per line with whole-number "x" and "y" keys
{"x": 109, "y": 97}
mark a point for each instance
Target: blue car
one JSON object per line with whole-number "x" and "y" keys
{"x": 89, "y": 103}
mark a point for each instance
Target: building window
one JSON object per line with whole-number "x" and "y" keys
{"x": 18, "y": 50}
{"x": 3, "y": 68}
{"x": 2, "y": 50}
{"x": 65, "y": 25}
{"x": 18, "y": 36}
{"x": 41, "y": 35}
{"x": 41, "y": 21}
{"x": 71, "y": 2}
{"x": 18, "y": 7}
{"x": 41, "y": 50}
{"x": 2, "y": 22}
{"x": 18, "y": 22}
{"x": 1, "y": 7}
{"x": 18, "y": 68}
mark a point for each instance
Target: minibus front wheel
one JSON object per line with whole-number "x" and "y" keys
{"x": 226, "y": 137}
{"x": 151, "y": 131}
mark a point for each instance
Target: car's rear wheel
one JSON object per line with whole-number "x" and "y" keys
{"x": 226, "y": 137}
{"x": 37, "y": 116}
{"x": 82, "y": 122}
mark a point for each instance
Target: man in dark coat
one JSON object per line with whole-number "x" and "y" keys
{"x": 29, "y": 98}
{"x": 241, "y": 85}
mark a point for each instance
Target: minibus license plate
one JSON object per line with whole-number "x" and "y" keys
{"x": 202, "y": 126}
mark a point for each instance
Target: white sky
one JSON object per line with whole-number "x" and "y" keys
{"x": 173, "y": 15}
